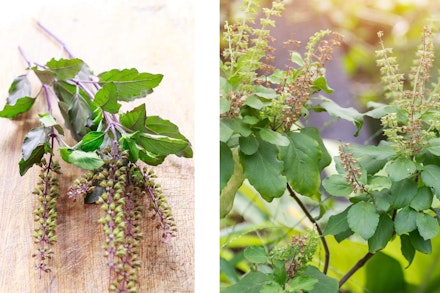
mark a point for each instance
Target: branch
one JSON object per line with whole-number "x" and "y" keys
{"x": 58, "y": 40}
{"x": 356, "y": 267}
{"x": 318, "y": 228}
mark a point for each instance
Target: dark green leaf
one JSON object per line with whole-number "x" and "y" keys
{"x": 272, "y": 287}
{"x": 321, "y": 84}
{"x": 238, "y": 126}
{"x": 79, "y": 114}
{"x": 423, "y": 199}
{"x": 420, "y": 244}
{"x": 407, "y": 248}
{"x": 263, "y": 170}
{"x": 226, "y": 165}
{"x": 21, "y": 106}
{"x": 65, "y": 68}
{"x": 314, "y": 133}
{"x": 363, "y": 219}
{"x": 279, "y": 271}
{"x": 337, "y": 185}
{"x": 273, "y": 137}
{"x": 301, "y": 163}
{"x": 130, "y": 84}
{"x": 248, "y": 145}
{"x": 403, "y": 192}
{"x": 34, "y": 158}
{"x": 427, "y": 226}
{"x": 325, "y": 284}
{"x": 106, "y": 98}
{"x": 383, "y": 234}
{"x": 405, "y": 220}
{"x": 92, "y": 141}
{"x": 384, "y": 274}
{"x": 337, "y": 224}
{"x": 45, "y": 76}
{"x": 252, "y": 282}
{"x": 84, "y": 160}
{"x": 301, "y": 283}
{"x": 256, "y": 254}
{"x": 401, "y": 168}
{"x": 382, "y": 199}
{"x": 135, "y": 119}
{"x": 349, "y": 114}
{"x": 35, "y": 137}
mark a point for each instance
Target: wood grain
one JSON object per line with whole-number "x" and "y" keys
{"x": 155, "y": 37}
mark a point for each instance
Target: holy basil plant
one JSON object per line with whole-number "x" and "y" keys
{"x": 112, "y": 146}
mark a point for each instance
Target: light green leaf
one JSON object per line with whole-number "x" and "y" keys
{"x": 301, "y": 160}
{"x": 48, "y": 120}
{"x": 314, "y": 133}
{"x": 427, "y": 226}
{"x": 84, "y": 160}
{"x": 383, "y": 234}
{"x": 225, "y": 132}
{"x": 301, "y": 283}
{"x": 321, "y": 84}
{"x": 254, "y": 102}
{"x": 252, "y": 282}
{"x": 130, "y": 84}
{"x": 18, "y": 100}
{"x": 401, "y": 168}
{"x": 296, "y": 58}
{"x": 379, "y": 110}
{"x": 92, "y": 141}
{"x": 106, "y": 98}
{"x": 263, "y": 170}
{"x": 22, "y": 105}
{"x": 134, "y": 119}
{"x": 234, "y": 182}
{"x": 256, "y": 254}
{"x": 264, "y": 92}
{"x": 363, "y": 219}
{"x": 430, "y": 176}
{"x": 160, "y": 144}
{"x": 434, "y": 146}
{"x": 65, "y": 68}
{"x": 405, "y": 220}
{"x": 273, "y": 137}
{"x": 248, "y": 145}
{"x": 337, "y": 185}
{"x": 337, "y": 224}
{"x": 131, "y": 146}
{"x": 325, "y": 284}
{"x": 225, "y": 105}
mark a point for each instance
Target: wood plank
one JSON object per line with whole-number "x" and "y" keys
{"x": 155, "y": 37}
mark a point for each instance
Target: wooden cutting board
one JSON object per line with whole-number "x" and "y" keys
{"x": 155, "y": 37}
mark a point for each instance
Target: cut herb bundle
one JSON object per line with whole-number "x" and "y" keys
{"x": 112, "y": 146}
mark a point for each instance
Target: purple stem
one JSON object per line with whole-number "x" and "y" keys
{"x": 24, "y": 56}
{"x": 58, "y": 40}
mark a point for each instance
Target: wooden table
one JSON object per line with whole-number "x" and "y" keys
{"x": 155, "y": 37}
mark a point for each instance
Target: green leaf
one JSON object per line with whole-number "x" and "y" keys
{"x": 325, "y": 284}
{"x": 134, "y": 119}
{"x": 264, "y": 92}
{"x": 84, "y": 160}
{"x": 273, "y": 137}
{"x": 279, "y": 271}
{"x": 65, "y": 68}
{"x": 256, "y": 254}
{"x": 420, "y": 244}
{"x": 298, "y": 283}
{"x": 272, "y": 287}
{"x": 423, "y": 199}
{"x": 225, "y": 105}
{"x": 363, "y": 219}
{"x": 301, "y": 163}
{"x": 337, "y": 224}
{"x": 131, "y": 146}
{"x": 48, "y": 120}
{"x": 150, "y": 158}
{"x": 337, "y": 185}
{"x": 92, "y": 141}
{"x": 384, "y": 274}
{"x": 382, "y": 199}
{"x": 35, "y": 137}
{"x": 106, "y": 98}
{"x": 160, "y": 144}
{"x": 254, "y": 102}
{"x": 379, "y": 110}
{"x": 372, "y": 158}
{"x": 226, "y": 164}
{"x": 252, "y": 282}
{"x": 45, "y": 76}
{"x": 296, "y": 58}
{"x": 21, "y": 106}
{"x": 430, "y": 176}
{"x": 130, "y": 84}
{"x": 383, "y": 234}
{"x": 34, "y": 158}
{"x": 18, "y": 100}
{"x": 234, "y": 182}
{"x": 263, "y": 170}
{"x": 237, "y": 125}
{"x": 427, "y": 226}
{"x": 407, "y": 248}
{"x": 314, "y": 133}
{"x": 248, "y": 145}
{"x": 349, "y": 114}
{"x": 405, "y": 220}
{"x": 403, "y": 192}
{"x": 401, "y": 168}
{"x": 434, "y": 146}
{"x": 321, "y": 84}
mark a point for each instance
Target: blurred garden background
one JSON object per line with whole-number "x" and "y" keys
{"x": 355, "y": 78}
